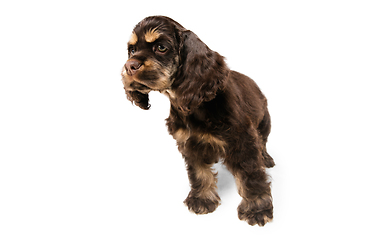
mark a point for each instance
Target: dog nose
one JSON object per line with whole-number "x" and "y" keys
{"x": 132, "y": 66}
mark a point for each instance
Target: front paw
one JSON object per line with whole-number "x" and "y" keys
{"x": 201, "y": 205}
{"x": 255, "y": 212}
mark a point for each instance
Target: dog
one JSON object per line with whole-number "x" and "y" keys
{"x": 215, "y": 114}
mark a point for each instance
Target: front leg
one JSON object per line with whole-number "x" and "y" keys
{"x": 256, "y": 206}
{"x": 203, "y": 197}
{"x": 248, "y": 167}
{"x": 200, "y": 152}
{"x": 199, "y": 157}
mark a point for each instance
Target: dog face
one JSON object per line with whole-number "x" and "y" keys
{"x": 153, "y": 56}
{"x": 163, "y": 56}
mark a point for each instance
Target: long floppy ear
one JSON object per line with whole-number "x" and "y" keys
{"x": 202, "y": 73}
{"x": 139, "y": 99}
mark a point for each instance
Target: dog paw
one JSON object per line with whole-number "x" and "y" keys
{"x": 255, "y": 212}
{"x": 201, "y": 205}
{"x": 268, "y": 160}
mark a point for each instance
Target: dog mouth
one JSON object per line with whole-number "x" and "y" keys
{"x": 145, "y": 83}
{"x": 135, "y": 86}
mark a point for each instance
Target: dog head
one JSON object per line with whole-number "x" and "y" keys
{"x": 164, "y": 56}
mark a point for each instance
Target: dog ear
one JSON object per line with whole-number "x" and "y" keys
{"x": 139, "y": 99}
{"x": 201, "y": 75}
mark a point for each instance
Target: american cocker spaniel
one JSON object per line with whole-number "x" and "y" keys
{"x": 216, "y": 114}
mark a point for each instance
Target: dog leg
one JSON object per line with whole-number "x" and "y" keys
{"x": 268, "y": 160}
{"x": 203, "y": 197}
{"x": 264, "y": 129}
{"x": 256, "y": 206}
{"x": 246, "y": 162}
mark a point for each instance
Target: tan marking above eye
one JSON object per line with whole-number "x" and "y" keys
{"x": 152, "y": 35}
{"x": 133, "y": 39}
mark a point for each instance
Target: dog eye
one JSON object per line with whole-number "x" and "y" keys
{"x": 132, "y": 51}
{"x": 161, "y": 49}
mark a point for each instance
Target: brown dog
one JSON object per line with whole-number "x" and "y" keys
{"x": 215, "y": 114}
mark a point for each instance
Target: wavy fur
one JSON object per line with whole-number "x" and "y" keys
{"x": 216, "y": 114}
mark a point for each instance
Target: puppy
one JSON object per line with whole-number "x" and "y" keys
{"x": 215, "y": 114}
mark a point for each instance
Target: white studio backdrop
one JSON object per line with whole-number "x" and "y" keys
{"x": 78, "y": 161}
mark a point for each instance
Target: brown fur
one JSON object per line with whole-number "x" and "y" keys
{"x": 215, "y": 114}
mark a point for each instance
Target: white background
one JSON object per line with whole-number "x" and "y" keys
{"x": 78, "y": 161}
